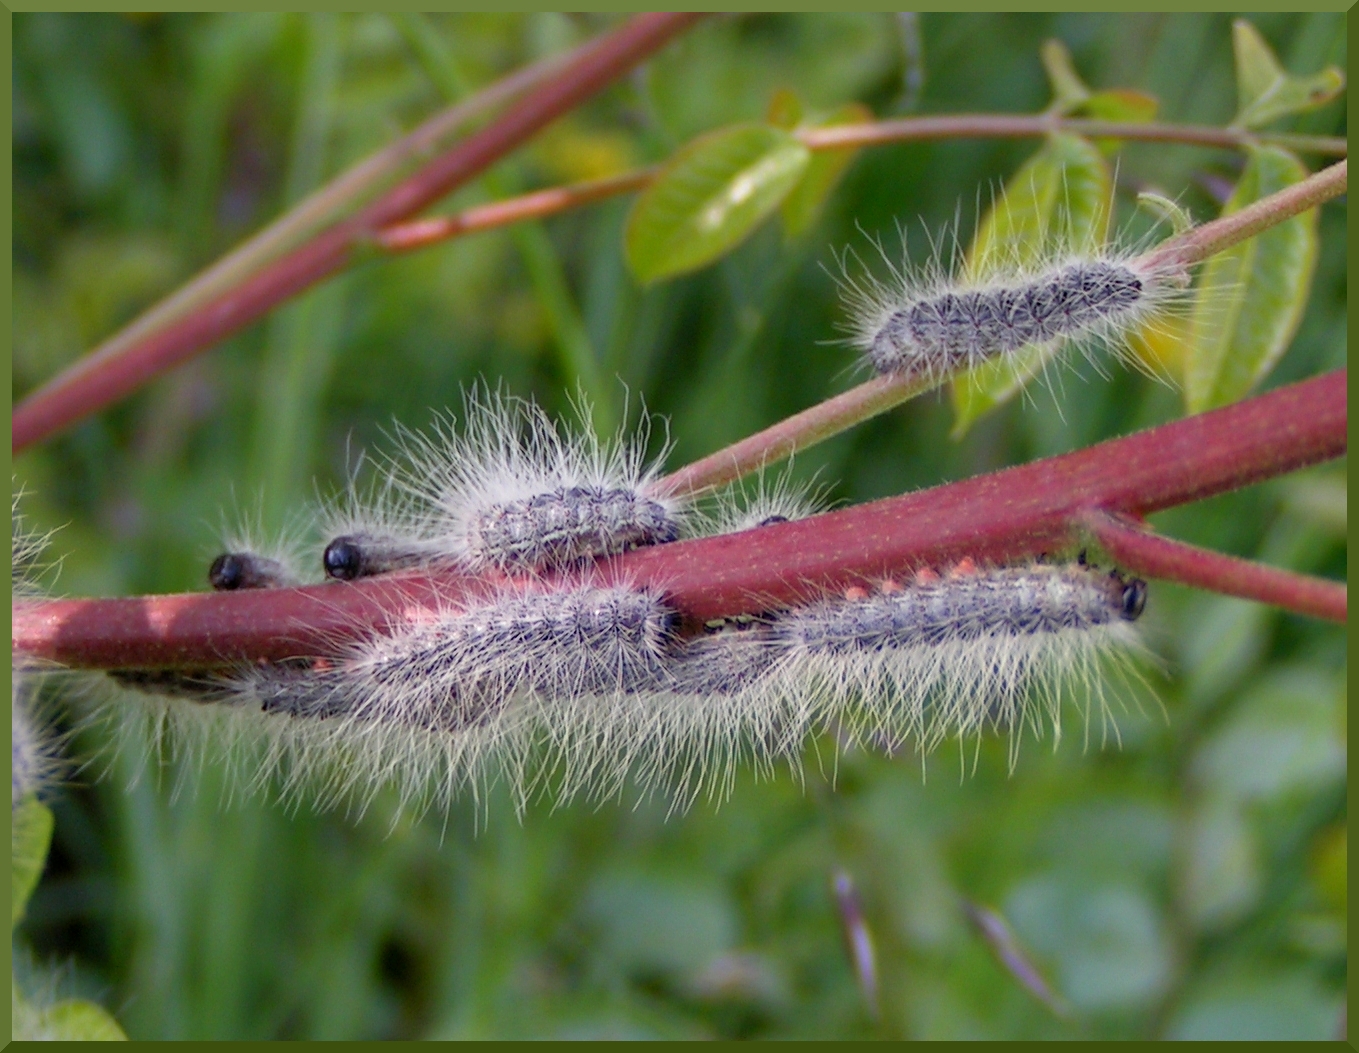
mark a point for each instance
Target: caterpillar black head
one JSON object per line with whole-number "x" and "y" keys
{"x": 1133, "y": 598}
{"x": 227, "y": 572}
{"x": 246, "y": 570}
{"x": 343, "y": 559}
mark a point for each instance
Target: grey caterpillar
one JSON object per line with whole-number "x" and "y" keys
{"x": 254, "y": 559}
{"x": 576, "y": 687}
{"x": 941, "y": 656}
{"x": 934, "y": 325}
{"x": 507, "y": 492}
{"x": 457, "y": 697}
{"x": 948, "y": 656}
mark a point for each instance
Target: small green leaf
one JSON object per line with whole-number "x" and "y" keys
{"x": 1165, "y": 210}
{"x": 1057, "y": 202}
{"x": 1265, "y": 90}
{"x": 1251, "y": 297}
{"x": 73, "y": 1020}
{"x": 30, "y": 835}
{"x": 709, "y": 197}
{"x": 802, "y": 207}
{"x": 1122, "y": 104}
{"x": 1068, "y": 90}
{"x": 1119, "y": 104}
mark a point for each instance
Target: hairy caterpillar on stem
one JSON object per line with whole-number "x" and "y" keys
{"x": 446, "y": 698}
{"x": 937, "y": 320}
{"x": 450, "y": 697}
{"x": 509, "y": 491}
{"x": 937, "y": 656}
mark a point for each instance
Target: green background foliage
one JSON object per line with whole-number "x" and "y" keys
{"x": 1190, "y": 882}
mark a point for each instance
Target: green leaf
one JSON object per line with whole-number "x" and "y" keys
{"x": 1119, "y": 104}
{"x": 1122, "y": 104}
{"x": 1265, "y": 90}
{"x": 1057, "y": 202}
{"x": 1165, "y": 210}
{"x": 1250, "y": 297}
{"x": 73, "y": 1020}
{"x": 709, "y": 197}
{"x": 802, "y": 207}
{"x": 1068, "y": 90}
{"x": 30, "y": 836}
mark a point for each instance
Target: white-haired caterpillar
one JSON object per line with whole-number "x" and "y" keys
{"x": 933, "y": 324}
{"x": 948, "y": 656}
{"x": 938, "y": 657}
{"x": 458, "y": 696}
{"x": 575, "y": 689}
{"x": 508, "y": 492}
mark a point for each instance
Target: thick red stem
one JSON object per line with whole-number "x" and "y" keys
{"x": 1002, "y": 516}
{"x": 1137, "y": 549}
{"x": 99, "y": 380}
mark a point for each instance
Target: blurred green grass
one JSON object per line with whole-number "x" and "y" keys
{"x": 1183, "y": 884}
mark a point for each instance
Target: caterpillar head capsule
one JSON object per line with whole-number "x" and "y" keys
{"x": 246, "y": 570}
{"x": 343, "y": 559}
{"x": 1134, "y": 599}
{"x": 352, "y": 556}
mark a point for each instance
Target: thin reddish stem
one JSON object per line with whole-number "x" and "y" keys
{"x": 421, "y": 233}
{"x": 94, "y": 382}
{"x": 1139, "y": 550}
{"x": 807, "y": 428}
{"x": 999, "y": 517}
{"x": 341, "y": 195}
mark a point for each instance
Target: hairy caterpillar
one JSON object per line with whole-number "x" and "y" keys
{"x": 950, "y": 655}
{"x": 941, "y": 656}
{"x": 248, "y": 570}
{"x": 377, "y": 530}
{"x": 928, "y": 322}
{"x": 458, "y": 695}
{"x": 507, "y": 492}
{"x": 576, "y": 688}
{"x": 255, "y": 559}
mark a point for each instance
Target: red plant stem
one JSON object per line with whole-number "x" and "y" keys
{"x": 999, "y": 517}
{"x": 421, "y": 233}
{"x": 1139, "y": 550}
{"x": 96, "y": 380}
{"x": 328, "y": 203}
